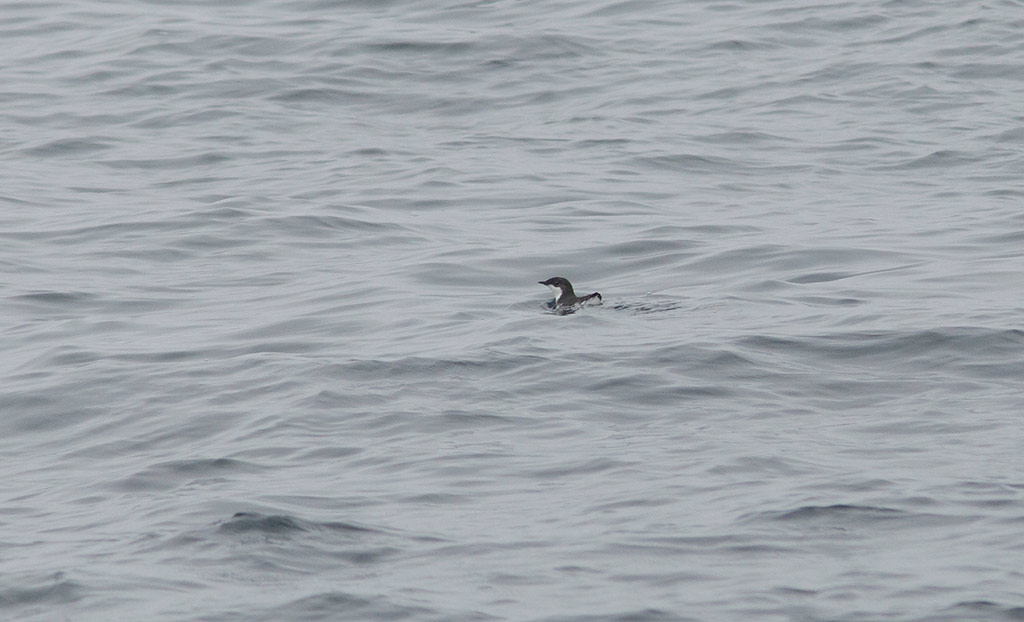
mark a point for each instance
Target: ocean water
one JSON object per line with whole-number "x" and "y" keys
{"x": 273, "y": 346}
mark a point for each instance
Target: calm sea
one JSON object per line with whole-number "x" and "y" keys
{"x": 272, "y": 345}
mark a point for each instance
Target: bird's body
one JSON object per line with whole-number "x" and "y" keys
{"x": 565, "y": 297}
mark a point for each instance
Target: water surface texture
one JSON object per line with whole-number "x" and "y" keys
{"x": 273, "y": 346}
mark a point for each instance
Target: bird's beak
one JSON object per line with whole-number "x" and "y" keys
{"x": 541, "y": 282}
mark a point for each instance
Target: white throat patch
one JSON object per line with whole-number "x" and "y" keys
{"x": 557, "y": 291}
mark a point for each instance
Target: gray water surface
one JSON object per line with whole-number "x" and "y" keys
{"x": 273, "y": 346}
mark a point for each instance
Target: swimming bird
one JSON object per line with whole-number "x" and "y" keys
{"x": 565, "y": 297}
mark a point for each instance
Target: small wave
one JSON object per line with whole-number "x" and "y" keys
{"x": 55, "y": 589}
{"x": 243, "y": 522}
{"x": 68, "y": 147}
{"x": 644, "y": 308}
{"x": 970, "y": 347}
{"x": 857, "y": 513}
{"x": 177, "y": 473}
{"x": 336, "y": 605}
